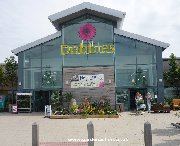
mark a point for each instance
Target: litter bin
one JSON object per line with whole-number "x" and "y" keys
{"x": 10, "y": 108}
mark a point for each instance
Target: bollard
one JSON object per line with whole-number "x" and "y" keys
{"x": 90, "y": 128}
{"x": 35, "y": 134}
{"x": 147, "y": 134}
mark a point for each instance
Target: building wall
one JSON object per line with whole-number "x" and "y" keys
{"x": 134, "y": 65}
{"x": 160, "y": 82}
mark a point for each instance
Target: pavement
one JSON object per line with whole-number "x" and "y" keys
{"x": 127, "y": 130}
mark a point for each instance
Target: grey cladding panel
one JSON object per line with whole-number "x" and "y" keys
{"x": 80, "y": 93}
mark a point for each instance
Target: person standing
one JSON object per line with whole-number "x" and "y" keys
{"x": 148, "y": 98}
{"x": 137, "y": 96}
{"x": 140, "y": 106}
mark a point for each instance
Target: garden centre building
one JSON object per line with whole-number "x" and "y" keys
{"x": 91, "y": 56}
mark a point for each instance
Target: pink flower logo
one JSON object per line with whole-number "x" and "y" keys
{"x": 87, "y": 32}
{"x": 101, "y": 85}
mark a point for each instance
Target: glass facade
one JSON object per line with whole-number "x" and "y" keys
{"x": 42, "y": 64}
{"x": 104, "y": 36}
{"x": 104, "y": 30}
{"x": 135, "y": 68}
{"x": 134, "y": 62}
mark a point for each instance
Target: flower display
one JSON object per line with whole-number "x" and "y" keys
{"x": 87, "y": 32}
{"x": 139, "y": 100}
{"x": 89, "y": 106}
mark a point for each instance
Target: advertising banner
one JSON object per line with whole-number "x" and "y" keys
{"x": 87, "y": 81}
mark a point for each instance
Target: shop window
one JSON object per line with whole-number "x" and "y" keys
{"x": 32, "y": 78}
{"x": 32, "y": 57}
{"x": 135, "y": 63}
{"x": 38, "y": 60}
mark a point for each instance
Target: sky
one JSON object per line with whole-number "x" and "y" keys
{"x": 24, "y": 21}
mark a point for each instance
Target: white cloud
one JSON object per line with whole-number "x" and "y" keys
{"x": 26, "y": 21}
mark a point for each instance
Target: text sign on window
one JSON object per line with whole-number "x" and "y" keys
{"x": 87, "y": 81}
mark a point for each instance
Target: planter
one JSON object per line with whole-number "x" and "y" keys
{"x": 68, "y": 117}
{"x": 102, "y": 116}
{"x": 82, "y": 116}
{"x": 160, "y": 108}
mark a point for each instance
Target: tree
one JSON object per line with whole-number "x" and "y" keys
{"x": 48, "y": 79}
{"x": 1, "y": 77}
{"x": 56, "y": 101}
{"x": 10, "y": 75}
{"x": 172, "y": 76}
{"x": 139, "y": 78}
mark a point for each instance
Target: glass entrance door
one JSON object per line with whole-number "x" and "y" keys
{"x": 41, "y": 99}
{"x": 133, "y": 92}
{"x": 122, "y": 97}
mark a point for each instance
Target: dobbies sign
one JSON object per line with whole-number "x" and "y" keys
{"x": 88, "y": 81}
{"x": 87, "y": 32}
{"x": 89, "y": 49}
